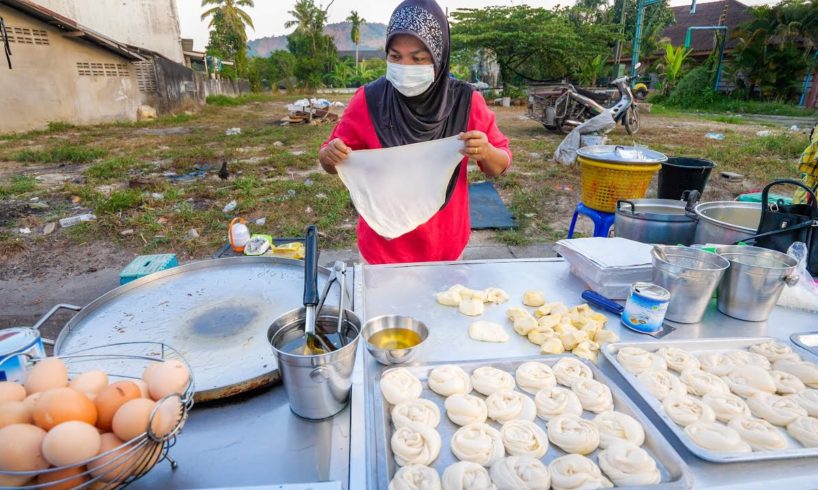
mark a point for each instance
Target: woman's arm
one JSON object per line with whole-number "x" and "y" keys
{"x": 493, "y": 161}
{"x": 346, "y": 135}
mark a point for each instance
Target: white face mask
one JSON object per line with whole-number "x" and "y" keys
{"x": 410, "y": 80}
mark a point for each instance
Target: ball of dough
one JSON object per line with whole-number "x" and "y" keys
{"x": 573, "y": 434}
{"x": 551, "y": 345}
{"x": 808, "y": 399}
{"x": 486, "y": 380}
{"x": 471, "y": 307}
{"x": 636, "y": 360}
{"x": 449, "y": 380}
{"x": 466, "y": 476}
{"x": 539, "y": 335}
{"x": 586, "y": 349}
{"x": 478, "y": 443}
{"x": 661, "y": 383}
{"x": 415, "y": 477}
{"x": 570, "y": 336}
{"x": 466, "y": 409}
{"x": 745, "y": 381}
{"x": 786, "y": 383}
{"x": 415, "y": 444}
{"x": 701, "y": 382}
{"x": 484, "y": 331}
{"x": 606, "y": 337}
{"x": 774, "y": 351}
{"x": 616, "y": 427}
{"x": 717, "y": 438}
{"x": 495, "y": 295}
{"x": 418, "y": 411}
{"x": 524, "y": 438}
{"x": 804, "y": 430}
{"x": 400, "y": 385}
{"x": 569, "y": 370}
{"x": 778, "y": 410}
{"x": 551, "y": 402}
{"x": 759, "y": 434}
{"x": 520, "y": 473}
{"x": 806, "y": 371}
{"x": 576, "y": 472}
{"x": 716, "y": 363}
{"x": 524, "y": 325}
{"x": 504, "y": 406}
{"x": 532, "y": 377}
{"x": 743, "y": 357}
{"x": 448, "y": 298}
{"x": 515, "y": 312}
{"x": 628, "y": 465}
{"x": 533, "y": 298}
{"x": 726, "y": 406}
{"x": 593, "y": 395}
{"x": 677, "y": 359}
{"x": 686, "y": 410}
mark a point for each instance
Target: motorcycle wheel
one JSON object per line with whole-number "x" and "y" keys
{"x": 631, "y": 121}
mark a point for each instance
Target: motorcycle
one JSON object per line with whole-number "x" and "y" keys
{"x": 566, "y": 108}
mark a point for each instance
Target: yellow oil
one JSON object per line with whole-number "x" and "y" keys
{"x": 395, "y": 338}
{"x": 303, "y": 346}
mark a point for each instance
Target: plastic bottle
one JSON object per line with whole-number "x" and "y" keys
{"x": 75, "y": 220}
{"x": 238, "y": 234}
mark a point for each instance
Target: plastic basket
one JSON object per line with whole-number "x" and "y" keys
{"x": 605, "y": 183}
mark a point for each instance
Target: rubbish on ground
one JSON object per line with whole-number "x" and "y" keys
{"x": 75, "y": 220}
{"x": 258, "y": 245}
{"x": 320, "y": 195}
{"x": 309, "y": 182}
{"x": 311, "y": 111}
{"x": 146, "y": 113}
{"x": 231, "y": 206}
{"x": 191, "y": 234}
{"x": 764, "y": 133}
{"x": 238, "y": 234}
{"x": 49, "y": 228}
{"x": 158, "y": 196}
{"x": 297, "y": 153}
{"x": 294, "y": 250}
{"x": 261, "y": 221}
{"x": 25, "y": 231}
{"x": 76, "y": 199}
{"x": 34, "y": 199}
{"x": 732, "y": 176}
{"x": 38, "y": 205}
{"x": 534, "y": 155}
{"x": 198, "y": 172}
{"x": 794, "y": 128}
{"x": 714, "y": 136}
{"x": 278, "y": 143}
{"x": 126, "y": 232}
{"x": 232, "y": 131}
{"x": 566, "y": 153}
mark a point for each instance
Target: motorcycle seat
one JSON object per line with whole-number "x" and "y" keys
{"x": 595, "y": 96}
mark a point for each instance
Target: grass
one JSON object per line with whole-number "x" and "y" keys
{"x": 60, "y": 154}
{"x": 735, "y": 106}
{"x": 20, "y": 184}
{"x": 227, "y": 101}
{"x": 111, "y": 169}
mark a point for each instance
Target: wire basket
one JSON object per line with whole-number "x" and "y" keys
{"x": 605, "y": 183}
{"x": 128, "y": 462}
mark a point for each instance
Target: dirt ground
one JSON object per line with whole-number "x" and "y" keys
{"x": 150, "y": 184}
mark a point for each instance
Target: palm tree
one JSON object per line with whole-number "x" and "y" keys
{"x": 309, "y": 19}
{"x": 355, "y": 32}
{"x": 230, "y": 9}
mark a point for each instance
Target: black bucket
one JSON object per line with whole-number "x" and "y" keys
{"x": 681, "y": 174}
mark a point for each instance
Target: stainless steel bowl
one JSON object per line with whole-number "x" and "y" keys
{"x": 393, "y": 356}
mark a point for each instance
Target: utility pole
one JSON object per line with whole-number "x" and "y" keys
{"x": 640, "y": 17}
{"x": 618, "y": 50}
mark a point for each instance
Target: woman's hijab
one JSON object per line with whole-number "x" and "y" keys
{"x": 443, "y": 110}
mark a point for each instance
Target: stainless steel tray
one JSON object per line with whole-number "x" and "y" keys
{"x": 675, "y": 474}
{"x": 807, "y": 341}
{"x": 794, "y": 450}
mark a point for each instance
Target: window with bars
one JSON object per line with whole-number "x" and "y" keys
{"x": 145, "y": 76}
{"x": 88, "y": 69}
{"x": 27, "y": 35}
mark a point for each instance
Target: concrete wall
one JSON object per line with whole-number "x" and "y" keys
{"x": 45, "y": 85}
{"x": 179, "y": 87}
{"x": 151, "y": 24}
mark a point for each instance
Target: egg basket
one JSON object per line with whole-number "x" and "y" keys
{"x": 122, "y": 465}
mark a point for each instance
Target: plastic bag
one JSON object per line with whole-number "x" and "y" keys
{"x": 804, "y": 295}
{"x": 566, "y": 153}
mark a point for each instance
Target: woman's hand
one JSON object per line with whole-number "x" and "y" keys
{"x": 333, "y": 154}
{"x": 476, "y": 146}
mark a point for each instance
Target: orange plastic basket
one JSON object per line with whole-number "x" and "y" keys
{"x": 605, "y": 183}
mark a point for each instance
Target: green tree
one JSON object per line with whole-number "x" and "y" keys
{"x": 315, "y": 52}
{"x": 590, "y": 72}
{"x": 370, "y": 70}
{"x": 344, "y": 74}
{"x": 671, "y": 66}
{"x": 228, "y": 30}
{"x": 355, "y": 33}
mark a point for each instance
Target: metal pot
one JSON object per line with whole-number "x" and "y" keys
{"x": 660, "y": 221}
{"x": 691, "y": 276}
{"x": 727, "y": 222}
{"x": 751, "y": 286}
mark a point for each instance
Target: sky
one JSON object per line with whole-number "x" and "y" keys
{"x": 269, "y": 16}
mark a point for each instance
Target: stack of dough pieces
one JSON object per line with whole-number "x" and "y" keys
{"x": 471, "y": 302}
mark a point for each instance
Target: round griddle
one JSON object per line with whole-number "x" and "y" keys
{"x": 215, "y": 313}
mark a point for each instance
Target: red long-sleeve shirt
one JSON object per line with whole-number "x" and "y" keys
{"x": 446, "y": 234}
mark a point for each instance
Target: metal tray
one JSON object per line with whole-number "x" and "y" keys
{"x": 807, "y": 341}
{"x": 695, "y": 347}
{"x": 675, "y": 474}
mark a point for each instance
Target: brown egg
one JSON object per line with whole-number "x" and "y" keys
{"x": 166, "y": 378}
{"x": 89, "y": 382}
{"x": 31, "y": 401}
{"x": 21, "y": 450}
{"x": 14, "y": 413}
{"x": 143, "y": 387}
{"x": 62, "y": 405}
{"x": 70, "y": 443}
{"x": 11, "y": 392}
{"x": 124, "y": 462}
{"x": 171, "y": 410}
{"x": 111, "y": 398}
{"x": 132, "y": 419}
{"x": 47, "y": 374}
{"x": 73, "y": 477}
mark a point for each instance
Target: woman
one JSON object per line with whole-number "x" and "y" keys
{"x": 418, "y": 101}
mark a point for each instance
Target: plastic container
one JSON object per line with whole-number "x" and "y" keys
{"x": 610, "y": 173}
{"x": 75, "y": 220}
{"x": 681, "y": 174}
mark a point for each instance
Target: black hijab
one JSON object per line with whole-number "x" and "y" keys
{"x": 443, "y": 110}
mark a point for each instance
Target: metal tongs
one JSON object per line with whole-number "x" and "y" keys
{"x": 339, "y": 275}
{"x": 311, "y": 299}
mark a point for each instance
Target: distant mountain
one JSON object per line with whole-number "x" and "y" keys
{"x": 372, "y": 38}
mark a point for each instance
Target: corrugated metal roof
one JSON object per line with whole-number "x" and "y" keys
{"x": 707, "y": 14}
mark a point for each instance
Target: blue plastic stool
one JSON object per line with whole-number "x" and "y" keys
{"x": 146, "y": 264}
{"x": 602, "y": 221}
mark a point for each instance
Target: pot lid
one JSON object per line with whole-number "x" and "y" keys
{"x": 655, "y": 210}
{"x": 631, "y": 155}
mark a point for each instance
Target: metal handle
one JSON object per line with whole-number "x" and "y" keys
{"x": 600, "y": 301}
{"x": 311, "y": 267}
{"x": 51, "y": 312}
{"x": 791, "y": 280}
{"x": 620, "y": 202}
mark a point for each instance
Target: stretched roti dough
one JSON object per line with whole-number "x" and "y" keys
{"x": 398, "y": 189}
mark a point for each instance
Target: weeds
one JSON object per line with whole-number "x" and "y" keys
{"x": 224, "y": 100}
{"x": 118, "y": 201}
{"x": 111, "y": 169}
{"x": 60, "y": 154}
{"x": 20, "y": 184}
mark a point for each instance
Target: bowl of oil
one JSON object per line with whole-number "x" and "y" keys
{"x": 394, "y": 339}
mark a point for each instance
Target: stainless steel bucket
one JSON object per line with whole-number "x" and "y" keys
{"x": 691, "y": 276}
{"x": 752, "y": 285}
{"x": 727, "y": 222}
{"x": 317, "y": 386}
